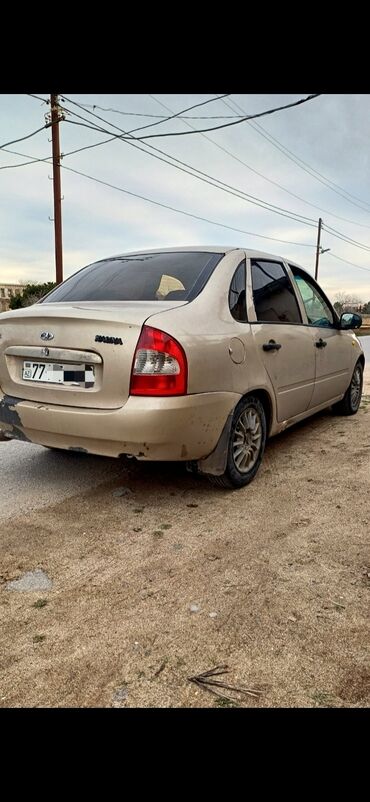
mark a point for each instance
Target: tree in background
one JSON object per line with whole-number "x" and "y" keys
{"x": 31, "y": 294}
{"x": 349, "y": 303}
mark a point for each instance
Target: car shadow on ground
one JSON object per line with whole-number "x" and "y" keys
{"x": 77, "y": 472}
{"x": 150, "y": 478}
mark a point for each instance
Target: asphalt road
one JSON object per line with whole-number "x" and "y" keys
{"x": 32, "y": 476}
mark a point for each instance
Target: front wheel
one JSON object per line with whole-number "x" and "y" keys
{"x": 246, "y": 444}
{"x": 352, "y": 399}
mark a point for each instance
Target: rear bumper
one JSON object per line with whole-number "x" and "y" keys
{"x": 181, "y": 428}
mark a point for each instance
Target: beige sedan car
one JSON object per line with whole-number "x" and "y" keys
{"x": 193, "y": 354}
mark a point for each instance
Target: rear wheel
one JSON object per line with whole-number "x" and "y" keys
{"x": 246, "y": 444}
{"x": 352, "y": 399}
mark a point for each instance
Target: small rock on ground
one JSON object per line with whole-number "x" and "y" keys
{"x": 120, "y": 693}
{"x": 32, "y": 580}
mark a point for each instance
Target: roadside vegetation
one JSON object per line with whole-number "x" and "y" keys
{"x": 31, "y": 294}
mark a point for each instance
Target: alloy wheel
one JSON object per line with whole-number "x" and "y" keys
{"x": 247, "y": 440}
{"x": 356, "y": 387}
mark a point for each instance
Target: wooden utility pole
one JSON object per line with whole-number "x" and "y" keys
{"x": 55, "y": 117}
{"x": 318, "y": 248}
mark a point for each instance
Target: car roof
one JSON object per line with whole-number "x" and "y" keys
{"x": 251, "y": 254}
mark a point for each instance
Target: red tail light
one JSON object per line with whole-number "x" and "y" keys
{"x": 160, "y": 365}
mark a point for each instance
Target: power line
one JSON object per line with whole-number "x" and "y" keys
{"x": 111, "y": 139}
{"x": 225, "y": 187}
{"x": 20, "y": 164}
{"x": 46, "y": 159}
{"x": 181, "y": 211}
{"x": 297, "y": 160}
{"x": 33, "y": 159}
{"x": 22, "y": 138}
{"x": 354, "y": 241}
{"x": 335, "y": 256}
{"x": 159, "y": 116}
{"x": 166, "y": 206}
{"x": 234, "y": 122}
{"x": 238, "y": 193}
{"x": 261, "y": 175}
{"x": 265, "y": 134}
{"x": 188, "y": 214}
{"x": 251, "y": 199}
{"x": 88, "y": 147}
{"x": 340, "y": 235}
{"x": 220, "y": 185}
{"x": 44, "y": 100}
{"x": 172, "y": 116}
{"x": 237, "y": 118}
{"x": 284, "y": 189}
{"x": 327, "y": 182}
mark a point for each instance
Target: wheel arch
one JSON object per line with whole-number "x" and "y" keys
{"x": 215, "y": 463}
{"x": 264, "y": 397}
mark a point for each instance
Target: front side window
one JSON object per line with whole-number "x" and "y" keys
{"x": 237, "y": 294}
{"x": 273, "y": 294}
{"x": 140, "y": 277}
{"x": 317, "y": 310}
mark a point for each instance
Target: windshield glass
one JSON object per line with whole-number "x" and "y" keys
{"x": 139, "y": 277}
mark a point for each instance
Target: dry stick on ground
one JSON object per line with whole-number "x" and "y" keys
{"x": 337, "y": 604}
{"x": 204, "y": 681}
{"x": 161, "y": 668}
{"x": 211, "y": 690}
{"x": 224, "y": 669}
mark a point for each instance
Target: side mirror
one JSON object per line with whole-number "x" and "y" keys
{"x": 350, "y": 321}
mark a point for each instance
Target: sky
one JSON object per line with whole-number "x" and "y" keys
{"x": 328, "y": 135}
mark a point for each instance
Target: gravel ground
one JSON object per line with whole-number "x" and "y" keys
{"x": 153, "y": 576}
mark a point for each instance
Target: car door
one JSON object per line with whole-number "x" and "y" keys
{"x": 284, "y": 344}
{"x": 333, "y": 347}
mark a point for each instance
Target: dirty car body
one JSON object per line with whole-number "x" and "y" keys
{"x": 156, "y": 355}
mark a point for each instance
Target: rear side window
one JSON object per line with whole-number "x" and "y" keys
{"x": 273, "y": 294}
{"x": 139, "y": 277}
{"x": 237, "y": 296}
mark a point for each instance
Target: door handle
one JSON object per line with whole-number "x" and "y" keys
{"x": 321, "y": 343}
{"x": 271, "y": 346}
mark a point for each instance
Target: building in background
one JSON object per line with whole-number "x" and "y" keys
{"x": 7, "y": 291}
{"x": 355, "y": 307}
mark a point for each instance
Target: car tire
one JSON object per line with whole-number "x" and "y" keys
{"x": 350, "y": 403}
{"x": 246, "y": 444}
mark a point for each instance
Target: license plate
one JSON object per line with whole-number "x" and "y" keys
{"x": 55, "y": 373}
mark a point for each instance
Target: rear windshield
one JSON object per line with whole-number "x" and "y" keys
{"x": 140, "y": 277}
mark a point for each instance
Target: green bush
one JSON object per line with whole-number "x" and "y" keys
{"x": 31, "y": 294}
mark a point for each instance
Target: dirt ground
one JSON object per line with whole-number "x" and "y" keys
{"x": 176, "y": 577}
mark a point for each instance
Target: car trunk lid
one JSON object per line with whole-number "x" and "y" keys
{"x": 99, "y": 337}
